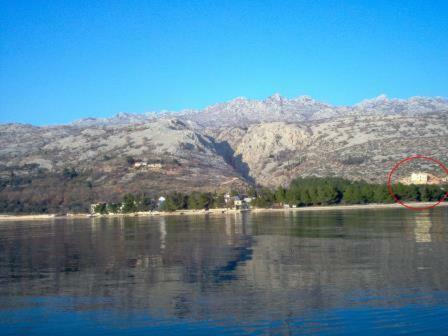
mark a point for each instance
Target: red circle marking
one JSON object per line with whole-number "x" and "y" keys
{"x": 410, "y": 158}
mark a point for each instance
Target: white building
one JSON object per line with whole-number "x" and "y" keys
{"x": 419, "y": 178}
{"x": 422, "y": 178}
{"x": 160, "y": 201}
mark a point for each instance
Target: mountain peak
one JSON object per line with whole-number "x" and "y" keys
{"x": 239, "y": 99}
{"x": 382, "y": 98}
{"x": 304, "y": 99}
{"x": 275, "y": 97}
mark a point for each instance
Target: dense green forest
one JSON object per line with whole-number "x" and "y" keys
{"x": 301, "y": 192}
{"x": 326, "y": 191}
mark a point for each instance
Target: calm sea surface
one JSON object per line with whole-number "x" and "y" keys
{"x": 375, "y": 272}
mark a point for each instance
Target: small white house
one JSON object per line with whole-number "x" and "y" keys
{"x": 238, "y": 202}
{"x": 160, "y": 201}
{"x": 154, "y": 165}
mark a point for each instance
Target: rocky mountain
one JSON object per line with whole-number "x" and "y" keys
{"x": 226, "y": 146}
{"x": 352, "y": 147}
{"x": 244, "y": 112}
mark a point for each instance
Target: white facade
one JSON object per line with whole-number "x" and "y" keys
{"x": 419, "y": 178}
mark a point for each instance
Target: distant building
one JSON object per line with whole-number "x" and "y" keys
{"x": 248, "y": 199}
{"x": 237, "y": 202}
{"x": 160, "y": 201}
{"x": 241, "y": 202}
{"x": 94, "y": 206}
{"x": 419, "y": 178}
{"x": 423, "y": 178}
{"x": 145, "y": 164}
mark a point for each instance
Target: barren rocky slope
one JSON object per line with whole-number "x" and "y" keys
{"x": 229, "y": 145}
{"x": 350, "y": 147}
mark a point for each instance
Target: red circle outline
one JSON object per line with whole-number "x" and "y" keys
{"x": 397, "y": 165}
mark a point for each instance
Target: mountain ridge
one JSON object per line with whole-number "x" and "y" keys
{"x": 295, "y": 109}
{"x": 225, "y": 146}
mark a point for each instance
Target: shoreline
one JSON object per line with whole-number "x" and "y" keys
{"x": 219, "y": 211}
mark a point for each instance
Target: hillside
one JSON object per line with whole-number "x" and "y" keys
{"x": 70, "y": 166}
{"x": 225, "y": 146}
{"x": 351, "y": 147}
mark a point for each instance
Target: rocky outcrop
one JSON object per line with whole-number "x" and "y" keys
{"x": 268, "y": 148}
{"x": 352, "y": 147}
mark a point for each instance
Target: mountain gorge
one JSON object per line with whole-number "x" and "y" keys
{"x": 230, "y": 145}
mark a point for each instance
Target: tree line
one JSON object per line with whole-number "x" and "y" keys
{"x": 173, "y": 201}
{"x": 326, "y": 191}
{"x": 301, "y": 192}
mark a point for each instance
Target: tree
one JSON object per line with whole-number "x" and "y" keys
{"x": 265, "y": 198}
{"x": 327, "y": 194}
{"x": 252, "y": 192}
{"x": 113, "y": 208}
{"x": 367, "y": 193}
{"x": 205, "y": 200}
{"x": 218, "y": 201}
{"x": 312, "y": 192}
{"x": 431, "y": 193}
{"x": 129, "y": 203}
{"x": 352, "y": 194}
{"x": 305, "y": 197}
{"x": 101, "y": 208}
{"x": 168, "y": 205}
{"x": 280, "y": 195}
{"x": 292, "y": 196}
{"x": 194, "y": 201}
{"x": 175, "y": 201}
{"x": 381, "y": 194}
{"x": 407, "y": 192}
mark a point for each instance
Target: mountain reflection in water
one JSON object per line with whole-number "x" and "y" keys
{"x": 336, "y": 272}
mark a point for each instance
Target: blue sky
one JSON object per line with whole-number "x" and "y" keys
{"x": 64, "y": 60}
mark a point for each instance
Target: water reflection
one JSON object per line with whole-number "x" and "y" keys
{"x": 162, "y": 228}
{"x": 274, "y": 270}
{"x": 422, "y": 228}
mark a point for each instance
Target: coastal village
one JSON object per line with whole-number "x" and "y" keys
{"x": 237, "y": 201}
